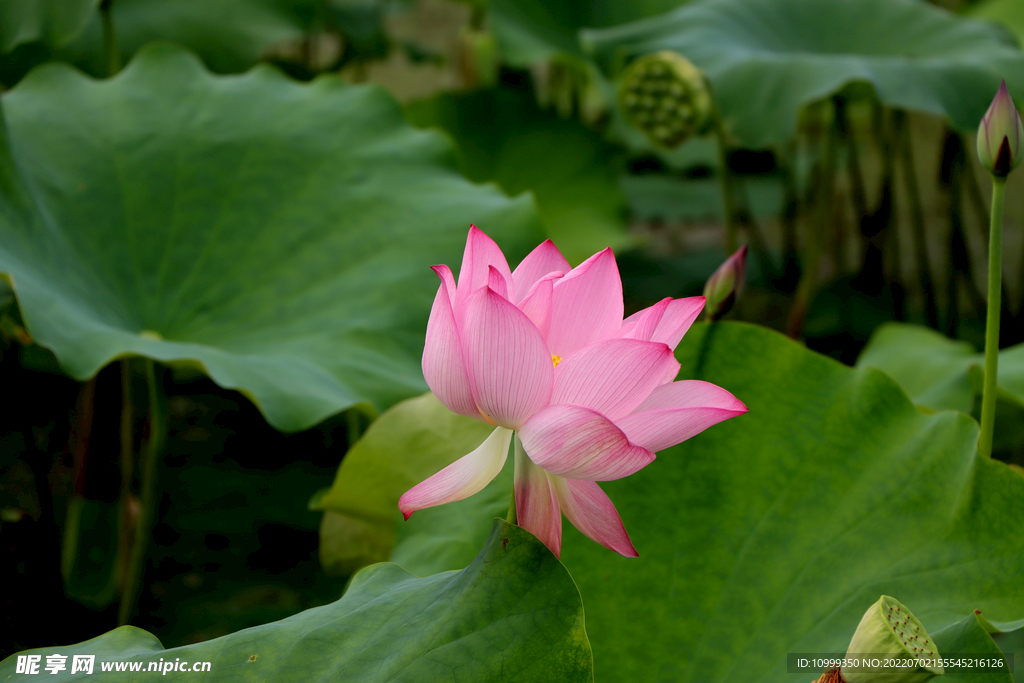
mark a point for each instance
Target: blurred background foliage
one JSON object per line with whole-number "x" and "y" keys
{"x": 849, "y": 150}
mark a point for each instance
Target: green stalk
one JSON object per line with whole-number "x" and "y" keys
{"x": 726, "y": 181}
{"x": 110, "y": 50}
{"x": 995, "y": 277}
{"x": 520, "y": 452}
{"x": 924, "y": 268}
{"x": 148, "y": 495}
{"x": 124, "y": 517}
{"x": 815, "y": 237}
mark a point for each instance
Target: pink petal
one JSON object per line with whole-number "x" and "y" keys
{"x": 481, "y": 252}
{"x": 537, "y": 508}
{"x": 671, "y": 372}
{"x": 442, "y": 363}
{"x": 641, "y": 325}
{"x": 586, "y": 305}
{"x": 496, "y": 281}
{"x": 677, "y": 319}
{"x": 612, "y": 376}
{"x": 462, "y": 478}
{"x": 445, "y": 273}
{"x": 543, "y": 260}
{"x": 508, "y": 363}
{"x": 537, "y": 303}
{"x": 675, "y": 412}
{"x": 663, "y": 322}
{"x": 590, "y": 510}
{"x": 691, "y": 393}
{"x": 580, "y": 443}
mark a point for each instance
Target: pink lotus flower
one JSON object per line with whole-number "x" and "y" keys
{"x": 543, "y": 353}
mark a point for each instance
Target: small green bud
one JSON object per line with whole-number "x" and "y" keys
{"x": 888, "y": 628}
{"x": 1001, "y": 135}
{"x": 654, "y": 86}
{"x": 726, "y": 284}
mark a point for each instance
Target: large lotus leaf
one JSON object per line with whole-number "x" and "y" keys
{"x": 513, "y": 614}
{"x": 773, "y": 532}
{"x": 228, "y": 35}
{"x": 938, "y": 372}
{"x": 52, "y": 21}
{"x": 404, "y": 446}
{"x": 1010, "y": 13}
{"x": 277, "y": 234}
{"x": 503, "y": 136}
{"x": 766, "y": 59}
{"x": 530, "y": 31}
{"x": 968, "y": 636}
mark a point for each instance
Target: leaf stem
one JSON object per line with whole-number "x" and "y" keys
{"x": 816, "y": 235}
{"x": 917, "y": 220}
{"x": 148, "y": 503}
{"x": 995, "y": 276}
{"x": 726, "y": 181}
{"x": 124, "y": 517}
{"x": 113, "y": 55}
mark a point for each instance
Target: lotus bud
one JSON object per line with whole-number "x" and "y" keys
{"x": 478, "y": 58}
{"x": 726, "y": 284}
{"x": 571, "y": 86}
{"x": 665, "y": 95}
{"x": 888, "y": 629}
{"x": 1001, "y": 135}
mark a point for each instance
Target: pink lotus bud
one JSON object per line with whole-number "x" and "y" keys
{"x": 726, "y": 284}
{"x": 1000, "y": 135}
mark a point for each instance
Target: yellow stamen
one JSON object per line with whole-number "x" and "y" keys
{"x": 556, "y": 360}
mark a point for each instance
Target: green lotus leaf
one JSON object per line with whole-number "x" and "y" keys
{"x": 278, "y": 235}
{"x": 502, "y": 136}
{"x": 401, "y": 448}
{"x": 52, "y": 21}
{"x": 970, "y": 636}
{"x": 513, "y": 614}
{"x": 938, "y": 372}
{"x": 228, "y": 35}
{"x": 767, "y": 59}
{"x": 530, "y": 31}
{"x": 773, "y": 533}
{"x": 1009, "y": 13}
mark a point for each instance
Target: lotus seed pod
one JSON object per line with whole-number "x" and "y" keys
{"x": 889, "y": 629}
{"x": 831, "y": 676}
{"x": 664, "y": 88}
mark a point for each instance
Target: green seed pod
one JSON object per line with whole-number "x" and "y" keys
{"x": 889, "y": 629}
{"x": 666, "y": 82}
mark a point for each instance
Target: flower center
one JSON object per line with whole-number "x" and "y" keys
{"x": 556, "y": 360}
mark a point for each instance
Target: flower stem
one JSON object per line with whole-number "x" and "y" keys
{"x": 995, "y": 277}
{"x": 513, "y": 518}
{"x": 148, "y": 503}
